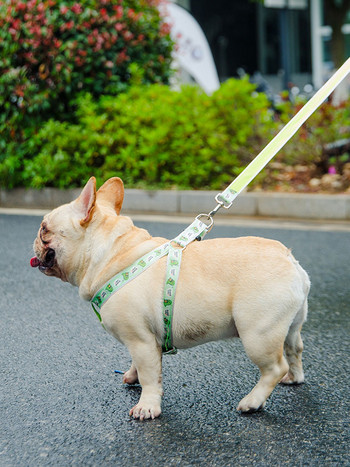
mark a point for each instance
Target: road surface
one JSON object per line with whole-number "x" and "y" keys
{"x": 62, "y": 404}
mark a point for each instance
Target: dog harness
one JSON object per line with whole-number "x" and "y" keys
{"x": 196, "y": 231}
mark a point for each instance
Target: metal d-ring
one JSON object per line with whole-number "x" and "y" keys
{"x": 209, "y": 218}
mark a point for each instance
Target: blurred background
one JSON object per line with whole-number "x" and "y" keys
{"x": 289, "y": 42}
{"x": 171, "y": 95}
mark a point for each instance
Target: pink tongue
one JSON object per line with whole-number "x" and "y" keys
{"x": 34, "y": 262}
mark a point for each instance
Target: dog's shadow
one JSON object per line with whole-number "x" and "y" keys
{"x": 133, "y": 391}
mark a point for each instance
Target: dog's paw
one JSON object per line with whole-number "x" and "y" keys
{"x": 290, "y": 378}
{"x": 145, "y": 410}
{"x": 130, "y": 377}
{"x": 250, "y": 404}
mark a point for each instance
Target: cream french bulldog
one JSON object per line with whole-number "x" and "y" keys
{"x": 248, "y": 287}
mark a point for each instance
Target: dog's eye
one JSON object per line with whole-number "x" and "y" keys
{"x": 43, "y": 231}
{"x": 43, "y": 228}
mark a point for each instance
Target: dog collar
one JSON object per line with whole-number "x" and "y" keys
{"x": 196, "y": 231}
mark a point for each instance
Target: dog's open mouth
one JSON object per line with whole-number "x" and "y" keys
{"x": 47, "y": 263}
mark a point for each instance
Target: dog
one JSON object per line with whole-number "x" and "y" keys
{"x": 247, "y": 287}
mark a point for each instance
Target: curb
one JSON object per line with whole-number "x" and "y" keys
{"x": 264, "y": 204}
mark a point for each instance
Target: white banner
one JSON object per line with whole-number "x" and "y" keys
{"x": 192, "y": 50}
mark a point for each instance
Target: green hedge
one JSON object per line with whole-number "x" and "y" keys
{"x": 155, "y": 137}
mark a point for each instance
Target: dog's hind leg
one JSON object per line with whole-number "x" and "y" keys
{"x": 293, "y": 345}
{"x": 293, "y": 348}
{"x": 267, "y": 354}
{"x": 130, "y": 376}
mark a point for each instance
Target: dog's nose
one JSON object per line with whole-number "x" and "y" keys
{"x": 49, "y": 258}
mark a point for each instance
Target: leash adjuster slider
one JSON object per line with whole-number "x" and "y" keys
{"x": 223, "y": 203}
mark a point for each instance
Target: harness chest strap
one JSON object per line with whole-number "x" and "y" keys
{"x": 172, "y": 275}
{"x": 196, "y": 230}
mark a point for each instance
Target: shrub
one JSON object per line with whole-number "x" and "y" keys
{"x": 305, "y": 162}
{"x": 60, "y": 48}
{"x": 153, "y": 136}
{"x": 327, "y": 124}
{"x": 50, "y": 50}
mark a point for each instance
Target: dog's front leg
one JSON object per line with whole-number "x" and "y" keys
{"x": 147, "y": 359}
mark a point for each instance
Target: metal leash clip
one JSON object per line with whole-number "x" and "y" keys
{"x": 209, "y": 226}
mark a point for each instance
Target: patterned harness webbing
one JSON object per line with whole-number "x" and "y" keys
{"x": 196, "y": 230}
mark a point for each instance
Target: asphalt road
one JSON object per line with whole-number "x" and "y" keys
{"x": 62, "y": 405}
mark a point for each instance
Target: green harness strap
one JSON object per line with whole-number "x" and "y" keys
{"x": 125, "y": 276}
{"x": 196, "y": 230}
{"x": 172, "y": 275}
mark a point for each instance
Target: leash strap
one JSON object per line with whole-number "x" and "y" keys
{"x": 226, "y": 198}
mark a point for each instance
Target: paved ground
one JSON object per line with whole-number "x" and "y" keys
{"x": 62, "y": 404}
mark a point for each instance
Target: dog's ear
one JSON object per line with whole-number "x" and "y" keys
{"x": 85, "y": 204}
{"x": 111, "y": 193}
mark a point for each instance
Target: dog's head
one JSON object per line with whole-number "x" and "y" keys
{"x": 62, "y": 245}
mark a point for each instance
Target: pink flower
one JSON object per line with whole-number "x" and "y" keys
{"x": 91, "y": 39}
{"x": 21, "y": 6}
{"x": 119, "y": 10}
{"x": 332, "y": 170}
{"x": 77, "y": 9}
{"x": 57, "y": 43}
{"x": 128, "y": 35}
{"x": 31, "y": 4}
{"x": 16, "y": 24}
{"x": 63, "y": 9}
{"x": 122, "y": 57}
{"x": 165, "y": 29}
